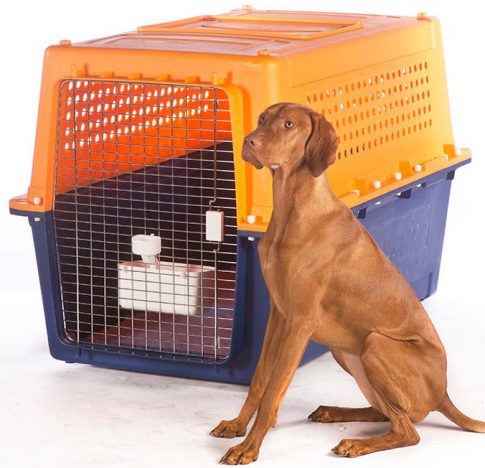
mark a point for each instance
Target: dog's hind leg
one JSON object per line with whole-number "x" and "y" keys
{"x": 237, "y": 427}
{"x": 331, "y": 414}
{"x": 406, "y": 380}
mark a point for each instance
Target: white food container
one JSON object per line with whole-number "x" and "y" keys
{"x": 175, "y": 288}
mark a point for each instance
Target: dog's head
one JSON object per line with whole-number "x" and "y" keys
{"x": 291, "y": 134}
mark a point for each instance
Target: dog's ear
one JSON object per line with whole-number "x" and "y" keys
{"x": 321, "y": 145}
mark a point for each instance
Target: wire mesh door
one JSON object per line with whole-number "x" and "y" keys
{"x": 150, "y": 159}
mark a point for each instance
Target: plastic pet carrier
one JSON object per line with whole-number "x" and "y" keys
{"x": 146, "y": 219}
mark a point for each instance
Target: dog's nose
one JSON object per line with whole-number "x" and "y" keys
{"x": 251, "y": 141}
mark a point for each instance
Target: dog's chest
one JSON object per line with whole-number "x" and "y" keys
{"x": 283, "y": 270}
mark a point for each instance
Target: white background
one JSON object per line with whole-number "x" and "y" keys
{"x": 56, "y": 415}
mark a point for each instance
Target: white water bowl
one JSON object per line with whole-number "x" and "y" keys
{"x": 146, "y": 246}
{"x": 175, "y": 288}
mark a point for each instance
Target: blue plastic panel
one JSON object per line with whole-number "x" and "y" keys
{"x": 409, "y": 227}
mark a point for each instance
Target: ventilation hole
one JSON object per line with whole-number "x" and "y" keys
{"x": 430, "y": 121}
{"x": 345, "y": 153}
{"x": 339, "y": 155}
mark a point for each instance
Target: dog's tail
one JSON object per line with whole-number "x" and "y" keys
{"x": 456, "y": 416}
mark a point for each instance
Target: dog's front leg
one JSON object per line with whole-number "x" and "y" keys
{"x": 294, "y": 340}
{"x": 237, "y": 427}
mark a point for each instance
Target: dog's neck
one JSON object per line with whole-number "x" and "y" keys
{"x": 296, "y": 193}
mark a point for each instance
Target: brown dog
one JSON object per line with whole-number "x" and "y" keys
{"x": 329, "y": 282}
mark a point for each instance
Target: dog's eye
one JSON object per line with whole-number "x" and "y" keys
{"x": 289, "y": 124}
{"x": 261, "y": 119}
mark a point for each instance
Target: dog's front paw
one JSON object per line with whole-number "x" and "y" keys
{"x": 352, "y": 448}
{"x": 229, "y": 429}
{"x": 241, "y": 454}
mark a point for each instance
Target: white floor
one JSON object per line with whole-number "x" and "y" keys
{"x": 55, "y": 414}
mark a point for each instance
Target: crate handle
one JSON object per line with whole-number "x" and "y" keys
{"x": 329, "y": 26}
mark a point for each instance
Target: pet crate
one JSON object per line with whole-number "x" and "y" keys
{"x": 140, "y": 134}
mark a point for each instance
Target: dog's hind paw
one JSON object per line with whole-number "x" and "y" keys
{"x": 352, "y": 448}
{"x": 321, "y": 414}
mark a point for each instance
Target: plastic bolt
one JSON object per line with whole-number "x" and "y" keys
{"x": 251, "y": 219}
{"x": 418, "y": 168}
{"x": 398, "y": 175}
{"x": 357, "y": 192}
{"x": 458, "y": 151}
{"x": 251, "y": 239}
{"x": 377, "y": 184}
{"x": 37, "y": 201}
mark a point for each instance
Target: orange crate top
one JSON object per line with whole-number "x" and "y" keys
{"x": 378, "y": 79}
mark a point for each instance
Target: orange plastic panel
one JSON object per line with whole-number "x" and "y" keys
{"x": 380, "y": 80}
{"x": 279, "y": 27}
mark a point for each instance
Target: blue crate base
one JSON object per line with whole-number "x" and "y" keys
{"x": 409, "y": 227}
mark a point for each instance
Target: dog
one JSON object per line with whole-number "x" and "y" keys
{"x": 329, "y": 282}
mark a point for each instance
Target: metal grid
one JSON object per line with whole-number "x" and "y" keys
{"x": 143, "y": 158}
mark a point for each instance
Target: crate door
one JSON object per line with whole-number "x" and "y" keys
{"x": 145, "y": 158}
